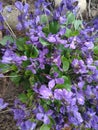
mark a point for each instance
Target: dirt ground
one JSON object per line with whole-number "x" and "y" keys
{"x": 9, "y": 91}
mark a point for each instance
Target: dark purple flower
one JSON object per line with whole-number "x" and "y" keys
{"x": 1, "y": 7}
{"x": 57, "y": 60}
{"x": 19, "y": 114}
{"x": 23, "y": 8}
{"x": 79, "y": 66}
{"x": 95, "y": 76}
{"x": 32, "y": 67}
{"x": 43, "y": 116}
{"x": 28, "y": 125}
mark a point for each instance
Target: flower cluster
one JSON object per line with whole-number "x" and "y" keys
{"x": 59, "y": 66}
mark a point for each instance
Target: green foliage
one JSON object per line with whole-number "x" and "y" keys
{"x": 34, "y": 53}
{"x": 7, "y": 39}
{"x": 43, "y": 42}
{"x": 15, "y": 78}
{"x": 65, "y": 63}
{"x": 44, "y": 19}
{"x": 71, "y": 33}
{"x": 66, "y": 85}
{"x": 54, "y": 27}
{"x": 27, "y": 97}
{"x": 4, "y": 68}
{"x": 77, "y": 24}
{"x": 45, "y": 127}
{"x": 23, "y": 98}
{"x": 70, "y": 18}
{"x": 96, "y": 50}
{"x": 21, "y": 43}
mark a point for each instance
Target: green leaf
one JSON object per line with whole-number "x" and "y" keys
{"x": 25, "y": 63}
{"x": 54, "y": 27}
{"x": 77, "y": 24}
{"x": 28, "y": 72}
{"x": 60, "y": 86}
{"x": 5, "y": 39}
{"x": 43, "y": 19}
{"x": 29, "y": 93}
{"x": 26, "y": 84}
{"x": 70, "y": 32}
{"x": 32, "y": 80}
{"x": 44, "y": 127}
{"x": 34, "y": 53}
{"x": 46, "y": 30}
{"x": 4, "y": 68}
{"x": 43, "y": 42}
{"x": 23, "y": 98}
{"x": 65, "y": 63}
{"x": 70, "y": 18}
{"x": 14, "y": 67}
{"x": 67, "y": 82}
{"x": 15, "y": 78}
{"x": 74, "y": 33}
{"x": 21, "y": 43}
{"x": 66, "y": 85}
{"x": 56, "y": 69}
{"x": 96, "y": 50}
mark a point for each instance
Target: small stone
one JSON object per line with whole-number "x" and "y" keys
{"x": 11, "y": 13}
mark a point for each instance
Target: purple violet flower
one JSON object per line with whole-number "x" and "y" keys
{"x": 43, "y": 116}
{"x": 1, "y": 7}
{"x": 2, "y": 104}
{"x": 51, "y": 84}
{"x": 28, "y": 125}
{"x": 45, "y": 92}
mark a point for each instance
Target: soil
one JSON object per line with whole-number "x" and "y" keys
{"x": 9, "y": 92}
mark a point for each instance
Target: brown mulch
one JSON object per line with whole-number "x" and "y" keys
{"x": 7, "y": 122}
